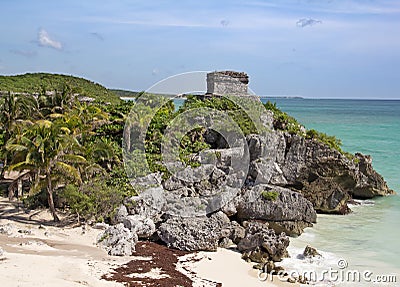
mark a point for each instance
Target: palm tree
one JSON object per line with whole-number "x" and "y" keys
{"x": 13, "y": 108}
{"x": 47, "y": 150}
{"x": 8, "y": 116}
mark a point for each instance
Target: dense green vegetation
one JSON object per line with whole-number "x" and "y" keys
{"x": 69, "y": 148}
{"x": 240, "y": 110}
{"x": 72, "y": 150}
{"x": 125, "y": 94}
{"x": 42, "y": 82}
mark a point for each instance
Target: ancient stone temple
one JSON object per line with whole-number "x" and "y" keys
{"x": 227, "y": 83}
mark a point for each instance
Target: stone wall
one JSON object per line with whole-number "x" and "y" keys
{"x": 227, "y": 83}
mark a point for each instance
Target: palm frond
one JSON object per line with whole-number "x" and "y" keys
{"x": 56, "y": 116}
{"x": 44, "y": 123}
{"x": 74, "y": 158}
{"x": 20, "y": 166}
{"x": 69, "y": 170}
{"x": 16, "y": 147}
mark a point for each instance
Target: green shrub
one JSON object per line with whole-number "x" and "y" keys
{"x": 95, "y": 200}
{"x": 80, "y": 203}
{"x": 283, "y": 121}
{"x": 270, "y": 195}
{"x": 229, "y": 107}
{"x": 330, "y": 141}
{"x": 192, "y": 143}
{"x": 36, "y": 200}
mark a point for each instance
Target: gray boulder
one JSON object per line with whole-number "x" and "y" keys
{"x": 142, "y": 226}
{"x": 310, "y": 252}
{"x": 150, "y": 203}
{"x": 225, "y": 243}
{"x": 152, "y": 179}
{"x": 118, "y": 240}
{"x": 273, "y": 203}
{"x": 173, "y": 183}
{"x": 194, "y": 234}
{"x": 237, "y": 232}
{"x": 267, "y": 171}
{"x": 269, "y": 146}
{"x": 369, "y": 183}
{"x": 120, "y": 214}
{"x": 230, "y": 207}
{"x": 262, "y": 244}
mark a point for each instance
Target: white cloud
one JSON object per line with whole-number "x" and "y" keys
{"x": 45, "y": 40}
{"x": 307, "y": 22}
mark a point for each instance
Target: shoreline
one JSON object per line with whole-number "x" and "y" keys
{"x": 37, "y": 253}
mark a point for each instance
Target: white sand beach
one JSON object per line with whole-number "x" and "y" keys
{"x": 37, "y": 253}
{"x": 227, "y": 267}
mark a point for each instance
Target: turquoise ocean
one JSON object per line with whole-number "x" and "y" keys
{"x": 368, "y": 239}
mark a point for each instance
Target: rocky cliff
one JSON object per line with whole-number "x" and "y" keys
{"x": 288, "y": 180}
{"x": 326, "y": 177}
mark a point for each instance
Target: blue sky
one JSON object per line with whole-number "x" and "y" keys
{"x": 311, "y": 48}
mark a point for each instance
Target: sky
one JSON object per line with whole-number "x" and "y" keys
{"x": 308, "y": 48}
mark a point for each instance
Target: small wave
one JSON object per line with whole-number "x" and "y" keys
{"x": 358, "y": 202}
{"x": 310, "y": 267}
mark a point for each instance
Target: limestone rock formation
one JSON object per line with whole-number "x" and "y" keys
{"x": 323, "y": 175}
{"x": 288, "y": 207}
{"x": 262, "y": 244}
{"x": 118, "y": 240}
{"x": 149, "y": 204}
{"x": 197, "y": 233}
{"x": 120, "y": 214}
{"x": 310, "y": 252}
{"x": 237, "y": 232}
{"x": 143, "y": 227}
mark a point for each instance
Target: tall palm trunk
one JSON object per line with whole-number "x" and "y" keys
{"x": 50, "y": 197}
{"x": 5, "y": 159}
{"x": 3, "y": 170}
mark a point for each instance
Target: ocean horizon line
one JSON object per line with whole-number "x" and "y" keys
{"x": 312, "y": 98}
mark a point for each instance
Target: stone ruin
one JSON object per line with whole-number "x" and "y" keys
{"x": 227, "y": 83}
